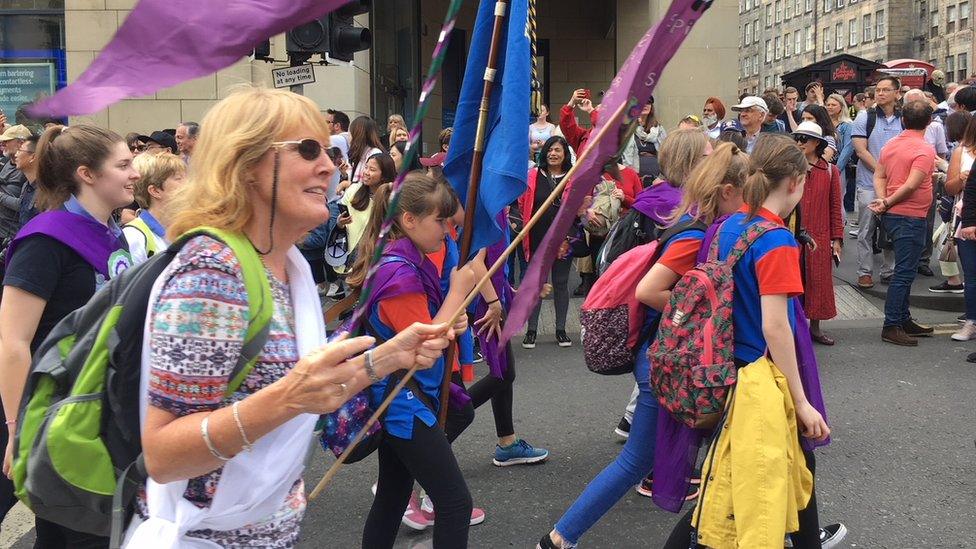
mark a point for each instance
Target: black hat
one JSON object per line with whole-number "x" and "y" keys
{"x": 163, "y": 139}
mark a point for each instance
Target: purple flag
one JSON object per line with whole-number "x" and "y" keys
{"x": 165, "y": 42}
{"x": 633, "y": 84}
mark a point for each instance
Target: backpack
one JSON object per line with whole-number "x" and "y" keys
{"x": 692, "y": 361}
{"x": 142, "y": 227}
{"x": 632, "y": 230}
{"x": 78, "y": 451}
{"x": 611, "y": 319}
{"x": 606, "y": 208}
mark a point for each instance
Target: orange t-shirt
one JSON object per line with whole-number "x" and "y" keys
{"x": 902, "y": 155}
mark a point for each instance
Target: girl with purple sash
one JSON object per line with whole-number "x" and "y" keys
{"x": 405, "y": 290}
{"x": 58, "y": 261}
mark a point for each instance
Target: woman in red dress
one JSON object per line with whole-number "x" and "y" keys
{"x": 820, "y": 211}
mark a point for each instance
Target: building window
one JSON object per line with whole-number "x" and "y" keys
{"x": 740, "y": 7}
{"x": 789, "y": 9}
{"x": 852, "y": 31}
{"x": 766, "y": 81}
{"x": 811, "y": 42}
{"x": 950, "y": 67}
{"x": 934, "y": 16}
{"x": 769, "y": 15}
{"x": 963, "y": 15}
{"x": 840, "y": 4}
{"x": 866, "y": 28}
{"x": 769, "y": 51}
{"x": 839, "y": 36}
{"x": 879, "y": 21}
{"x": 826, "y": 40}
{"x": 779, "y": 11}
{"x": 787, "y": 45}
{"x": 809, "y": 6}
{"x": 798, "y": 42}
{"x": 951, "y": 12}
{"x": 747, "y": 35}
{"x": 962, "y": 65}
{"x": 755, "y": 31}
{"x": 755, "y": 65}
{"x": 778, "y": 48}
{"x": 828, "y": 5}
{"x": 746, "y": 67}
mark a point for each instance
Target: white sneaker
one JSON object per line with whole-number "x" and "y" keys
{"x": 966, "y": 333}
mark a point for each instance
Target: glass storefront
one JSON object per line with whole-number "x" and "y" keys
{"x": 396, "y": 58}
{"x": 32, "y": 53}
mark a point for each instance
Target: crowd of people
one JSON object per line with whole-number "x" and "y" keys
{"x": 771, "y": 186}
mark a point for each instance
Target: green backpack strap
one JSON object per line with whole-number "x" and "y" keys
{"x": 141, "y": 226}
{"x": 259, "y": 301}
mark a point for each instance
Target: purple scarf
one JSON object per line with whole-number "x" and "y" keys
{"x": 392, "y": 280}
{"x": 658, "y": 202}
{"x": 497, "y": 356}
{"x": 676, "y": 448}
{"x": 93, "y": 241}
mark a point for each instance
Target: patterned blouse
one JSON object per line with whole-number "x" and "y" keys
{"x": 197, "y": 330}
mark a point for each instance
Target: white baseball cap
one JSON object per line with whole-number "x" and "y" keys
{"x": 749, "y": 102}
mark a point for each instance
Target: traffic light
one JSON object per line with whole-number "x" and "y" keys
{"x": 335, "y": 36}
{"x": 262, "y": 51}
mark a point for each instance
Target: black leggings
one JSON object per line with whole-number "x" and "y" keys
{"x": 426, "y": 457}
{"x": 501, "y": 393}
{"x": 560, "y": 295}
{"x": 808, "y": 537}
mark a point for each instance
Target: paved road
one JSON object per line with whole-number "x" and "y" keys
{"x": 901, "y": 472}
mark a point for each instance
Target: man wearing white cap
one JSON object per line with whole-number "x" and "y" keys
{"x": 752, "y": 113}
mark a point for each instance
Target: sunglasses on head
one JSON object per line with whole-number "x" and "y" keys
{"x": 309, "y": 149}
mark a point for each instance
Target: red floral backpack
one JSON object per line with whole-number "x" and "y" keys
{"x": 611, "y": 317}
{"x": 692, "y": 364}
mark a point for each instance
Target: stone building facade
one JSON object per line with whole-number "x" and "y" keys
{"x": 582, "y": 44}
{"x": 779, "y": 36}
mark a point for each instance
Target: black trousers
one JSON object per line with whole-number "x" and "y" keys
{"x": 55, "y": 536}
{"x": 428, "y": 459}
{"x": 808, "y": 537}
{"x": 501, "y": 393}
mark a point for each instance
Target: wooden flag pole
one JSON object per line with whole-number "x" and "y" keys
{"x": 474, "y": 183}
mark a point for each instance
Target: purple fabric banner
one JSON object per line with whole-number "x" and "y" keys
{"x": 633, "y": 84}
{"x": 165, "y": 42}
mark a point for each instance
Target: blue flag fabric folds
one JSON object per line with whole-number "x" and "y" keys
{"x": 505, "y": 169}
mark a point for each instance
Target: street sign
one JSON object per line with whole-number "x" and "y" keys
{"x": 293, "y": 76}
{"x": 22, "y": 83}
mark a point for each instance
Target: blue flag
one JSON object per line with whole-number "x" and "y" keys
{"x": 506, "y": 164}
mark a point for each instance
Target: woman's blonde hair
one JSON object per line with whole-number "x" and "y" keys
{"x": 421, "y": 195}
{"x": 236, "y": 133}
{"x": 727, "y": 165}
{"x": 775, "y": 158}
{"x": 154, "y": 170}
{"x": 680, "y": 152}
{"x": 845, "y": 115}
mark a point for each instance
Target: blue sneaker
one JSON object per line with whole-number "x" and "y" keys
{"x": 519, "y": 453}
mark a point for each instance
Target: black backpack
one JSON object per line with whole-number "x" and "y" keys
{"x": 632, "y": 230}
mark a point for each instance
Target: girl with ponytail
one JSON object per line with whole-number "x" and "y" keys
{"x": 765, "y": 321}
{"x": 714, "y": 188}
{"x": 406, "y": 288}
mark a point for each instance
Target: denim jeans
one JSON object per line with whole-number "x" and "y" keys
{"x": 908, "y": 238}
{"x": 967, "y": 257}
{"x": 636, "y": 460}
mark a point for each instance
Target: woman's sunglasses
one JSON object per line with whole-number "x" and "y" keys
{"x": 801, "y": 139}
{"x": 308, "y": 149}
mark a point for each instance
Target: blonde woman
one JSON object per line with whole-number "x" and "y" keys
{"x": 680, "y": 152}
{"x": 160, "y": 175}
{"x": 228, "y": 471}
{"x": 394, "y": 124}
{"x": 840, "y": 116}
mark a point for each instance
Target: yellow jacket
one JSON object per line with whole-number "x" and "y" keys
{"x": 755, "y": 476}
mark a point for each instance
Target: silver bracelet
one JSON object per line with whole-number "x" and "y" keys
{"x": 370, "y": 369}
{"x": 206, "y": 438}
{"x": 248, "y": 445}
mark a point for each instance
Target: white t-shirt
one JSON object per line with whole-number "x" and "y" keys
{"x": 138, "y": 247}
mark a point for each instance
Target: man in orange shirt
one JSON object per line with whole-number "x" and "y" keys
{"x": 903, "y": 190}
